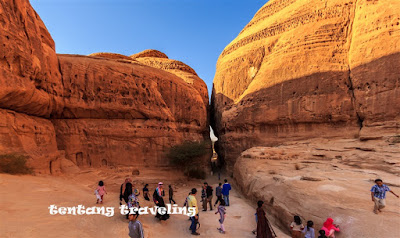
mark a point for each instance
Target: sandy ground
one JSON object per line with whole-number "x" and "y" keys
{"x": 24, "y": 202}
{"x": 320, "y": 179}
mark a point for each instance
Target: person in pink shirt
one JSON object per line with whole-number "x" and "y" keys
{"x": 330, "y": 228}
{"x": 101, "y": 189}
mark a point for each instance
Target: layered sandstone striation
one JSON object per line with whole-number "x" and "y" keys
{"x": 65, "y": 111}
{"x": 305, "y": 69}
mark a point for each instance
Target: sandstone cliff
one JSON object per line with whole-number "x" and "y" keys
{"x": 305, "y": 69}
{"x": 102, "y": 109}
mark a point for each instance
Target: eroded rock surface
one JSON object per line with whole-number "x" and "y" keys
{"x": 96, "y": 110}
{"x": 322, "y": 178}
{"x": 306, "y": 69}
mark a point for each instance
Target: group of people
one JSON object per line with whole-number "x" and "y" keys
{"x": 222, "y": 194}
{"x": 264, "y": 229}
{"x": 328, "y": 229}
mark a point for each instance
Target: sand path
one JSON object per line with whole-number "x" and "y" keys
{"x": 24, "y": 202}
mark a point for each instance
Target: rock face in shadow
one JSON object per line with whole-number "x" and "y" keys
{"x": 97, "y": 110}
{"x": 309, "y": 69}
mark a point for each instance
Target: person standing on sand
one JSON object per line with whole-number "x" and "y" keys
{"x": 309, "y": 230}
{"x": 378, "y": 195}
{"x": 263, "y": 227}
{"x": 101, "y": 189}
{"x": 218, "y": 193}
{"x": 127, "y": 194}
{"x": 158, "y": 197}
{"x": 122, "y": 191}
{"x": 133, "y": 199}
{"x": 296, "y": 226}
{"x": 222, "y": 214}
{"x": 208, "y": 196}
{"x": 135, "y": 227}
{"x": 225, "y": 191}
{"x": 146, "y": 192}
{"x": 330, "y": 228}
{"x": 192, "y": 202}
{"x": 171, "y": 194}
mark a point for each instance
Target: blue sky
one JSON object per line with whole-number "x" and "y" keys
{"x": 192, "y": 31}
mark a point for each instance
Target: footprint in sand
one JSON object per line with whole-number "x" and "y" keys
{"x": 237, "y": 217}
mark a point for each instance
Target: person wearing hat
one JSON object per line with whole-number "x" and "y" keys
{"x": 158, "y": 197}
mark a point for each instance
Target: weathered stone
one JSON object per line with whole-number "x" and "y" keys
{"x": 30, "y": 81}
{"x": 104, "y": 109}
{"x": 31, "y": 136}
{"x": 301, "y": 69}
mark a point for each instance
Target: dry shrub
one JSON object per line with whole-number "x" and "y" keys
{"x": 14, "y": 164}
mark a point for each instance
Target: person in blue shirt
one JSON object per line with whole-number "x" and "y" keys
{"x": 378, "y": 195}
{"x": 225, "y": 192}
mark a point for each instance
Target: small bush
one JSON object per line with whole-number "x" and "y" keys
{"x": 297, "y": 166}
{"x": 188, "y": 157}
{"x": 14, "y": 164}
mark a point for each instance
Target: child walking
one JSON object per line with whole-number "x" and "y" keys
{"x": 222, "y": 213}
{"x": 101, "y": 190}
{"x": 296, "y": 226}
{"x": 309, "y": 230}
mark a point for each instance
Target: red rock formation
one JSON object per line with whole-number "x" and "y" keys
{"x": 30, "y": 81}
{"x": 125, "y": 112}
{"x": 305, "y": 69}
{"x": 103, "y": 109}
{"x": 149, "y": 53}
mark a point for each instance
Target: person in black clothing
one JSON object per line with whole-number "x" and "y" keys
{"x": 207, "y": 196}
{"x": 159, "y": 201}
{"x": 171, "y": 194}
{"x": 122, "y": 191}
{"x": 128, "y": 191}
{"x": 146, "y": 192}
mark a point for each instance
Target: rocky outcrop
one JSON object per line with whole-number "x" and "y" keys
{"x": 149, "y": 53}
{"x": 30, "y": 81}
{"x": 322, "y": 178}
{"x": 306, "y": 69}
{"x": 126, "y": 113}
{"x": 101, "y": 109}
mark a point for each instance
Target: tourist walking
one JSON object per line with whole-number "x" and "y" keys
{"x": 171, "y": 194}
{"x": 330, "y": 228}
{"x": 127, "y": 193}
{"x": 264, "y": 229}
{"x": 122, "y": 191}
{"x": 101, "y": 190}
{"x": 192, "y": 202}
{"x": 135, "y": 227}
{"x": 207, "y": 194}
{"x": 296, "y": 226}
{"x": 309, "y": 230}
{"x": 133, "y": 199}
{"x": 222, "y": 214}
{"x": 146, "y": 192}
{"x": 225, "y": 191}
{"x": 378, "y": 195}
{"x": 158, "y": 197}
{"x": 218, "y": 193}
